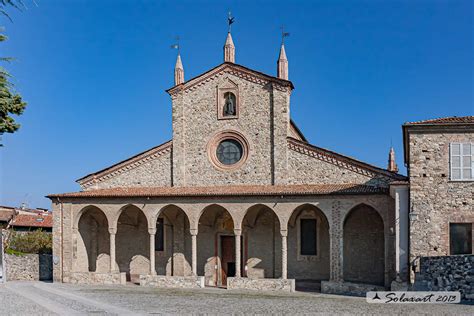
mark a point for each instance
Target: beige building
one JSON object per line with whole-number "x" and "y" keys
{"x": 439, "y": 155}
{"x": 238, "y": 199}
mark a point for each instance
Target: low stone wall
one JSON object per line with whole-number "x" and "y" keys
{"x": 348, "y": 288}
{"x": 95, "y": 278}
{"x": 448, "y": 273}
{"x": 28, "y": 267}
{"x": 187, "y": 282}
{"x": 285, "y": 285}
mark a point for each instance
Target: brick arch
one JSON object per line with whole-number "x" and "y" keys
{"x": 92, "y": 243}
{"x": 261, "y": 247}
{"x": 306, "y": 267}
{"x": 220, "y": 207}
{"x": 264, "y": 208}
{"x": 364, "y": 246}
{"x": 153, "y": 217}
{"x": 83, "y": 210}
{"x": 116, "y": 215}
{"x": 132, "y": 242}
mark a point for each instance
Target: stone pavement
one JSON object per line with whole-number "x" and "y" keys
{"x": 36, "y": 298}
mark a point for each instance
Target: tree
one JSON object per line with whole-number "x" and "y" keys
{"x": 11, "y": 102}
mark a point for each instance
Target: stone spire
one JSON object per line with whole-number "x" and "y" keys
{"x": 392, "y": 165}
{"x": 282, "y": 71}
{"x": 229, "y": 49}
{"x": 178, "y": 71}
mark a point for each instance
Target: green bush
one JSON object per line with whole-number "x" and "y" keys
{"x": 36, "y": 241}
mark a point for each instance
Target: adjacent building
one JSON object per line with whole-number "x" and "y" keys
{"x": 439, "y": 155}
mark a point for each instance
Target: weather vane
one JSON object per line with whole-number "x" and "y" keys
{"x": 283, "y": 34}
{"x": 176, "y": 45}
{"x": 230, "y": 20}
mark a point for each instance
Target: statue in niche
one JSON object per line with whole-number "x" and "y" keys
{"x": 229, "y": 105}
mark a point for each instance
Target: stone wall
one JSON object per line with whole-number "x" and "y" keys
{"x": 436, "y": 199}
{"x": 28, "y": 267}
{"x": 285, "y": 285}
{"x": 188, "y": 282}
{"x": 448, "y": 273}
{"x": 94, "y": 278}
{"x": 195, "y": 124}
{"x": 310, "y": 170}
{"x": 348, "y": 288}
{"x": 155, "y": 172}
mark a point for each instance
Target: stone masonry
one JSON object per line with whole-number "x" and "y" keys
{"x": 435, "y": 200}
{"x": 448, "y": 273}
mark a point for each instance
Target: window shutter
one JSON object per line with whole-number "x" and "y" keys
{"x": 455, "y": 161}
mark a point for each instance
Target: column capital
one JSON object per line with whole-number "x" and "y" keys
{"x": 284, "y": 233}
{"x": 112, "y": 230}
{"x": 238, "y": 232}
{"x": 193, "y": 232}
{"x": 152, "y": 231}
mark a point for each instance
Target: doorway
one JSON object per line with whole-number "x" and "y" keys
{"x": 227, "y": 258}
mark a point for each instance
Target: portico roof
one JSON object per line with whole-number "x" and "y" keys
{"x": 232, "y": 190}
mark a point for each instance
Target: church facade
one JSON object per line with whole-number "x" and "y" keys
{"x": 238, "y": 199}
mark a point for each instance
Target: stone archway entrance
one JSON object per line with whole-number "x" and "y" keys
{"x": 133, "y": 243}
{"x": 93, "y": 248}
{"x": 214, "y": 249}
{"x": 262, "y": 243}
{"x": 363, "y": 253}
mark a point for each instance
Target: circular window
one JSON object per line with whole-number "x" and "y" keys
{"x": 229, "y": 152}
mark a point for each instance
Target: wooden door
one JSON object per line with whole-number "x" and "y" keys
{"x": 227, "y": 258}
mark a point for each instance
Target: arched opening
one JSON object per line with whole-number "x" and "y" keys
{"x": 363, "y": 255}
{"x": 308, "y": 247}
{"x": 216, "y": 245}
{"x": 261, "y": 247}
{"x": 230, "y": 104}
{"x": 133, "y": 243}
{"x": 173, "y": 243}
{"x": 93, "y": 247}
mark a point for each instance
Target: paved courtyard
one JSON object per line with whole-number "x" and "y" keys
{"x": 22, "y": 298}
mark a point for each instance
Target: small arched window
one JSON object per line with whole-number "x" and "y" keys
{"x": 230, "y": 104}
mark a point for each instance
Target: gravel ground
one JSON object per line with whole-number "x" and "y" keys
{"x": 22, "y": 298}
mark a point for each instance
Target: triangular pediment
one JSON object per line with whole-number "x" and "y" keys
{"x": 233, "y": 69}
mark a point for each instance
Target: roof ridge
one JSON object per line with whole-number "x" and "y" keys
{"x": 137, "y": 159}
{"x": 357, "y": 165}
{"x": 445, "y": 120}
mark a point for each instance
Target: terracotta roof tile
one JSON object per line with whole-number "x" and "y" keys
{"x": 445, "y": 120}
{"x": 23, "y": 220}
{"x": 238, "y": 190}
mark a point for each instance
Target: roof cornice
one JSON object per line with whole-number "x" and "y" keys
{"x": 236, "y": 70}
{"x": 341, "y": 160}
{"x": 125, "y": 165}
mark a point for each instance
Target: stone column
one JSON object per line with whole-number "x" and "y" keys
{"x": 336, "y": 244}
{"x": 152, "y": 233}
{"x": 237, "y": 234}
{"x": 194, "y": 250}
{"x": 284, "y": 254}
{"x": 112, "y": 232}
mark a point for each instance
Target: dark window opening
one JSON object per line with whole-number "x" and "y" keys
{"x": 229, "y": 152}
{"x": 159, "y": 236}
{"x": 308, "y": 237}
{"x": 460, "y": 238}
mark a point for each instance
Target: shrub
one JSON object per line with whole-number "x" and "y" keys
{"x": 36, "y": 241}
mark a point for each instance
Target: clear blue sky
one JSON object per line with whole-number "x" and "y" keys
{"x": 94, "y": 75}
